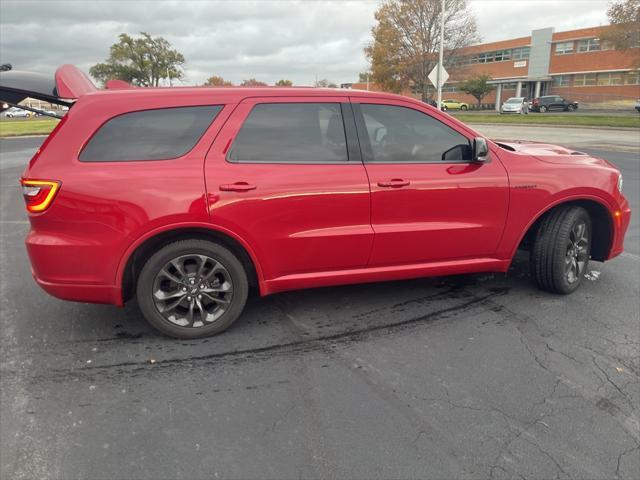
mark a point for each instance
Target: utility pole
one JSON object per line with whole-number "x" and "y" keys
{"x": 367, "y": 81}
{"x": 441, "y": 56}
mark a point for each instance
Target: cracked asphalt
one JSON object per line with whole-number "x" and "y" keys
{"x": 477, "y": 376}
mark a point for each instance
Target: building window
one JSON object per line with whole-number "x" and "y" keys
{"x": 520, "y": 53}
{"x": 632, "y": 78}
{"x": 564, "y": 47}
{"x": 509, "y": 86}
{"x": 502, "y": 55}
{"x": 590, "y": 45}
{"x": 485, "y": 57}
{"x": 561, "y": 80}
{"x": 584, "y": 80}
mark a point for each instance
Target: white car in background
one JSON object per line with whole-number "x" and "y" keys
{"x": 515, "y": 105}
{"x": 17, "y": 113}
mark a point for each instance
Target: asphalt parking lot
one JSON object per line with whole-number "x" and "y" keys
{"x": 479, "y": 376}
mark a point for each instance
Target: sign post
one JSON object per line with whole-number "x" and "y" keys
{"x": 440, "y": 61}
{"x": 438, "y": 77}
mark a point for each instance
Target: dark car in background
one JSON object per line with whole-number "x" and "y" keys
{"x": 553, "y": 102}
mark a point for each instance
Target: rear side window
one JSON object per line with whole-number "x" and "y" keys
{"x": 160, "y": 134}
{"x": 291, "y": 133}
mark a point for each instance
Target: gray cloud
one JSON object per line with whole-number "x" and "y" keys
{"x": 240, "y": 39}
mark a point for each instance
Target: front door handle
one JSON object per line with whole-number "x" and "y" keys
{"x": 237, "y": 187}
{"x": 394, "y": 183}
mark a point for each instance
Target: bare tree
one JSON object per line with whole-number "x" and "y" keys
{"x": 406, "y": 40}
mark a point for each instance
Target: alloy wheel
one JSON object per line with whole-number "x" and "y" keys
{"x": 192, "y": 290}
{"x": 577, "y": 252}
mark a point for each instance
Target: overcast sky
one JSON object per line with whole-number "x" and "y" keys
{"x": 237, "y": 39}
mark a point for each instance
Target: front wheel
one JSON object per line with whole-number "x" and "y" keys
{"x": 543, "y": 109}
{"x": 192, "y": 289}
{"x": 571, "y": 108}
{"x": 463, "y": 107}
{"x": 561, "y": 250}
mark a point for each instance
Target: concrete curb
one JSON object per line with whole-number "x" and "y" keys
{"x": 586, "y": 127}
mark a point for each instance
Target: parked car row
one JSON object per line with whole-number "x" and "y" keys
{"x": 543, "y": 104}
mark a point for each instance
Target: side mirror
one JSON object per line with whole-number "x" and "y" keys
{"x": 480, "y": 150}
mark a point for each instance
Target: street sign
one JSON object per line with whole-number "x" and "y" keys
{"x": 433, "y": 76}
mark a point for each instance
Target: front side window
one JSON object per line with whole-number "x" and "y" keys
{"x": 403, "y": 135}
{"x": 291, "y": 133}
{"x": 160, "y": 134}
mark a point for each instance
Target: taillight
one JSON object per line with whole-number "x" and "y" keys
{"x": 38, "y": 194}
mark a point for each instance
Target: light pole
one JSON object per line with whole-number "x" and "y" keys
{"x": 441, "y": 56}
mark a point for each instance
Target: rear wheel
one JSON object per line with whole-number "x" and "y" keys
{"x": 192, "y": 289}
{"x": 463, "y": 107}
{"x": 543, "y": 109}
{"x": 561, "y": 251}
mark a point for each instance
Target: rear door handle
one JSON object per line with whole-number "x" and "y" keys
{"x": 394, "y": 183}
{"x": 237, "y": 187}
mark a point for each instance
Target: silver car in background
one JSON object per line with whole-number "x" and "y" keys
{"x": 517, "y": 105}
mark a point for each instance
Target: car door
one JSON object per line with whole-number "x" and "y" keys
{"x": 429, "y": 202}
{"x": 283, "y": 176}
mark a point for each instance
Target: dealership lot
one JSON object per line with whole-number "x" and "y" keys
{"x": 463, "y": 377}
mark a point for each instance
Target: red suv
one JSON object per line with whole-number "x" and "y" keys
{"x": 185, "y": 198}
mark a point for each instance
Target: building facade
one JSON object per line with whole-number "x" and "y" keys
{"x": 574, "y": 64}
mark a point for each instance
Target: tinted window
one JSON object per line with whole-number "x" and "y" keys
{"x": 291, "y": 133}
{"x": 159, "y": 134}
{"x": 399, "y": 134}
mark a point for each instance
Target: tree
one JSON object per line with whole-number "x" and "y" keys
{"x": 252, "y": 82}
{"x": 216, "y": 81}
{"x": 284, "y": 83}
{"x": 406, "y": 41}
{"x": 477, "y": 86}
{"x": 624, "y": 16}
{"x": 324, "y": 83}
{"x": 142, "y": 61}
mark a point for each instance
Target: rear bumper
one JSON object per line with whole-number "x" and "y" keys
{"x": 107, "y": 294}
{"x": 72, "y": 269}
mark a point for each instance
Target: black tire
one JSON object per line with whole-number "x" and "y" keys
{"x": 231, "y": 266}
{"x": 463, "y": 107}
{"x": 571, "y": 108}
{"x": 542, "y": 109}
{"x": 552, "y": 249}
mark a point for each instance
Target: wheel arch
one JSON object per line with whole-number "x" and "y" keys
{"x": 602, "y": 226}
{"x": 139, "y": 252}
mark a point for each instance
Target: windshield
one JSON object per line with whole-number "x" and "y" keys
{"x": 515, "y": 100}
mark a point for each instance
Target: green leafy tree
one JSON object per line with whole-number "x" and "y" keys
{"x": 142, "y": 61}
{"x": 477, "y": 86}
{"x": 216, "y": 81}
{"x": 406, "y": 41}
{"x": 284, "y": 83}
{"x": 252, "y": 82}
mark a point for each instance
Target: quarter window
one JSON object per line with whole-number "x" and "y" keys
{"x": 291, "y": 133}
{"x": 159, "y": 134}
{"x": 403, "y": 135}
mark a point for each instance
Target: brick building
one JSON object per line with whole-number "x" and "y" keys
{"x": 574, "y": 64}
